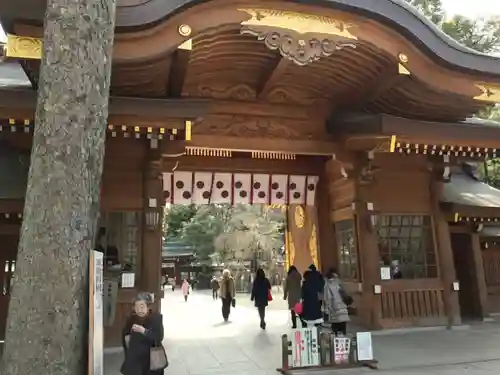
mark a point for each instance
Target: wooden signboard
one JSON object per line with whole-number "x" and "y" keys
{"x": 96, "y": 329}
{"x": 315, "y": 348}
{"x": 305, "y": 347}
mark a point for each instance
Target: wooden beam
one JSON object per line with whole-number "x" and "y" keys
{"x": 122, "y": 110}
{"x": 178, "y": 70}
{"x": 22, "y": 103}
{"x": 307, "y": 166}
{"x": 442, "y": 133}
{"x": 274, "y": 76}
{"x": 392, "y": 76}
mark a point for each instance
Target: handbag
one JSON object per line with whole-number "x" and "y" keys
{"x": 346, "y": 298}
{"x": 158, "y": 358}
{"x": 233, "y": 302}
{"x": 298, "y": 308}
{"x": 269, "y": 295}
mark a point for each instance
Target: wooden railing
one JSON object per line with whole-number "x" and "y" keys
{"x": 412, "y": 303}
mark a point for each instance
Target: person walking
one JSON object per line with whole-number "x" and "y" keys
{"x": 227, "y": 293}
{"x": 261, "y": 295}
{"x": 335, "y": 306}
{"x": 214, "y": 283}
{"x": 292, "y": 288}
{"x": 185, "y": 289}
{"x": 142, "y": 332}
{"x": 311, "y": 293}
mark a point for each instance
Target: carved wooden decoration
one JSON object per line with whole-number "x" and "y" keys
{"x": 302, "y": 38}
{"x": 260, "y": 127}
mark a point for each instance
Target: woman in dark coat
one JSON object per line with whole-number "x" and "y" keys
{"x": 312, "y": 290}
{"x": 143, "y": 331}
{"x": 260, "y": 294}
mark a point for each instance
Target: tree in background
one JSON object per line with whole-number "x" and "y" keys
{"x": 175, "y": 217}
{"x": 432, "y": 9}
{"x": 252, "y": 233}
{"x": 225, "y": 232}
{"x": 47, "y": 324}
{"x": 204, "y": 227}
{"x": 482, "y": 35}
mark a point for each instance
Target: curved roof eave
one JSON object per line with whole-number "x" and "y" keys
{"x": 395, "y": 13}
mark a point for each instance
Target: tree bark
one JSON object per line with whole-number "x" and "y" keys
{"x": 48, "y": 312}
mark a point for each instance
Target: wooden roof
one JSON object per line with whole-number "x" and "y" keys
{"x": 401, "y": 64}
{"x": 469, "y": 200}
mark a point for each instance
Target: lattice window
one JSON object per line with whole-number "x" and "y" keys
{"x": 123, "y": 234}
{"x": 406, "y": 245}
{"x": 345, "y": 234}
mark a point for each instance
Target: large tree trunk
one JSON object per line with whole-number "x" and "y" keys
{"x": 47, "y": 322}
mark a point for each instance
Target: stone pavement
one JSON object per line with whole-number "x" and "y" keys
{"x": 198, "y": 342}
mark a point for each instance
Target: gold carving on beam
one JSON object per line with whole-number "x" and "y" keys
{"x": 185, "y": 30}
{"x": 402, "y": 70}
{"x": 188, "y": 129}
{"x": 23, "y": 47}
{"x": 392, "y": 146}
{"x": 187, "y": 45}
{"x": 489, "y": 94}
{"x": 403, "y": 59}
{"x": 302, "y": 38}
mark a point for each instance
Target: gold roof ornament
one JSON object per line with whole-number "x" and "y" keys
{"x": 489, "y": 94}
{"x": 23, "y": 47}
{"x": 302, "y": 38}
{"x": 403, "y": 60}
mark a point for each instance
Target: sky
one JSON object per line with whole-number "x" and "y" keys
{"x": 472, "y": 8}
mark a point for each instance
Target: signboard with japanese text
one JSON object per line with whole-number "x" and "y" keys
{"x": 96, "y": 329}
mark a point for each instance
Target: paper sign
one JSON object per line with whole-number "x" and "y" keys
{"x": 385, "y": 273}
{"x": 128, "y": 280}
{"x": 365, "y": 347}
{"x": 96, "y": 330}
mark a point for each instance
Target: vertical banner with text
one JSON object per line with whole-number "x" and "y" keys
{"x": 96, "y": 336}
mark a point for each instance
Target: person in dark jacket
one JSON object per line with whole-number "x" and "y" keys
{"x": 260, "y": 295}
{"x": 312, "y": 291}
{"x": 143, "y": 331}
{"x": 214, "y": 283}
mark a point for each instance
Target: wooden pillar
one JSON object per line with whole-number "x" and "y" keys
{"x": 445, "y": 256}
{"x": 326, "y": 236}
{"x": 367, "y": 244}
{"x": 370, "y": 310}
{"x": 480, "y": 276}
{"x": 302, "y": 240}
{"x": 152, "y": 233}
